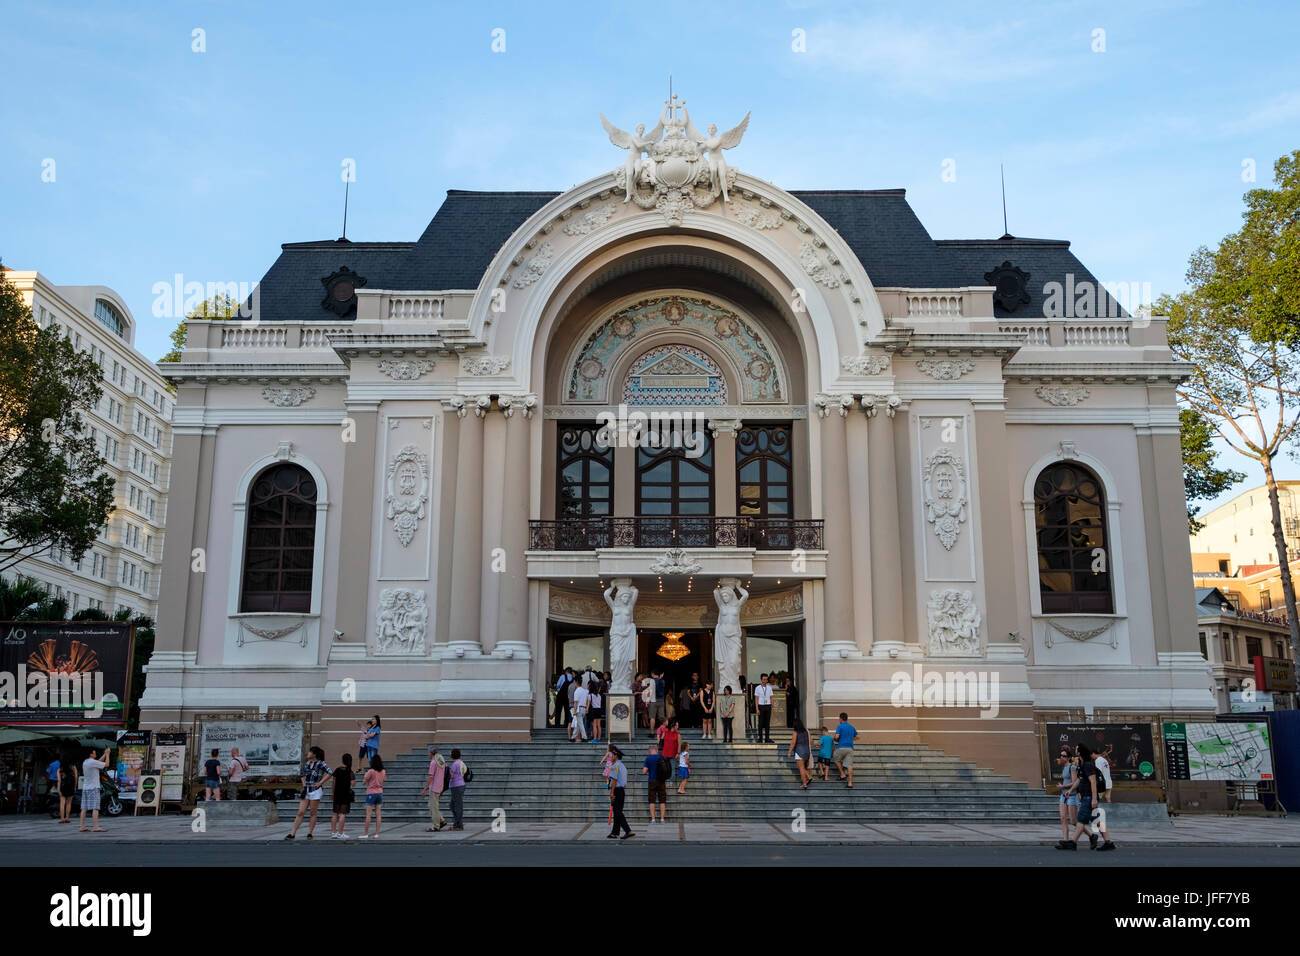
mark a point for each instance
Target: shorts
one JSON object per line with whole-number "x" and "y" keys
{"x": 212, "y": 783}
{"x": 1085, "y": 810}
{"x": 374, "y": 799}
{"x": 657, "y": 709}
{"x": 315, "y": 795}
{"x": 67, "y": 789}
{"x": 342, "y": 808}
{"x": 683, "y": 772}
{"x": 658, "y": 791}
{"x": 1070, "y": 801}
{"x": 90, "y": 799}
{"x": 844, "y": 757}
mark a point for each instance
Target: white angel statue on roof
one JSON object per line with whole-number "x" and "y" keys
{"x": 714, "y": 145}
{"x": 636, "y": 145}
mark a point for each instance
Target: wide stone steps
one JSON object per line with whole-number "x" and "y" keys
{"x": 551, "y": 780}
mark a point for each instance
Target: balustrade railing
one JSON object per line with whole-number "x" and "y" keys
{"x": 676, "y": 531}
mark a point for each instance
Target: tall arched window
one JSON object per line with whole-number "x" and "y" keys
{"x": 279, "y": 544}
{"x": 1073, "y": 550}
{"x": 763, "y": 472}
{"x": 584, "y": 483}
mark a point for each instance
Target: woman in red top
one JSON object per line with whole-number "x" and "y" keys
{"x": 672, "y": 741}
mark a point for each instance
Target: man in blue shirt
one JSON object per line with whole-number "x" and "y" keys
{"x": 845, "y": 734}
{"x": 52, "y": 775}
{"x": 656, "y": 784}
{"x": 617, "y": 793}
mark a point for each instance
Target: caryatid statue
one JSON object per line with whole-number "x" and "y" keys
{"x": 635, "y": 144}
{"x": 622, "y": 634}
{"x": 730, "y": 597}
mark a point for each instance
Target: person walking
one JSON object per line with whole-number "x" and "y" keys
{"x": 685, "y": 707}
{"x": 658, "y": 714}
{"x": 374, "y": 781}
{"x": 597, "y": 710}
{"x": 825, "y": 747}
{"x": 639, "y": 690}
{"x": 672, "y": 740}
{"x": 1103, "y": 771}
{"x": 212, "y": 781}
{"x": 845, "y": 734}
{"x": 763, "y": 703}
{"x": 459, "y": 777}
{"x": 791, "y": 698}
{"x": 581, "y": 702}
{"x": 656, "y": 770}
{"x": 801, "y": 749}
{"x": 1090, "y": 790}
{"x": 52, "y": 778}
{"x": 727, "y": 713}
{"x": 1069, "y": 796}
{"x": 683, "y": 768}
{"x": 434, "y": 784}
{"x": 708, "y": 708}
{"x": 238, "y": 765}
{"x": 90, "y": 768}
{"x": 313, "y": 775}
{"x": 341, "y": 797}
{"x": 572, "y": 692}
{"x": 618, "y": 795}
{"x": 67, "y": 788}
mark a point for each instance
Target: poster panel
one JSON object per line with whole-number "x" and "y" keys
{"x": 272, "y": 748}
{"x": 169, "y": 759}
{"x": 132, "y": 761}
{"x": 1128, "y": 747}
{"x": 66, "y": 672}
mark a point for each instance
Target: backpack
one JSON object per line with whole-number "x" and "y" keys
{"x": 465, "y": 773}
{"x": 663, "y": 769}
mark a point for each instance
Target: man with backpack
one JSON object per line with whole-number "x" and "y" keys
{"x": 562, "y": 698}
{"x": 1091, "y": 786}
{"x": 658, "y": 771}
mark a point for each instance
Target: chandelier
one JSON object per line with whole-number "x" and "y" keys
{"x": 673, "y": 649}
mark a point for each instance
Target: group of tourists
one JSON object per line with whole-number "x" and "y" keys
{"x": 580, "y": 703}
{"x": 443, "y": 776}
{"x": 1085, "y": 783}
{"x": 66, "y": 782}
{"x": 832, "y": 749}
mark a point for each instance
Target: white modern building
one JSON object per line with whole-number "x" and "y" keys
{"x": 131, "y": 427}
{"x": 1242, "y": 527}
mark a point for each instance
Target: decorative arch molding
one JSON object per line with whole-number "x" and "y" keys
{"x": 1070, "y": 455}
{"x": 283, "y": 455}
{"x": 841, "y": 318}
{"x": 605, "y": 353}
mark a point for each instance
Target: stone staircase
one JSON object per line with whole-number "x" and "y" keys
{"x": 551, "y": 780}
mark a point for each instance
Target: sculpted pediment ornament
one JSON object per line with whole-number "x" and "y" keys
{"x": 675, "y": 561}
{"x": 1063, "y": 395}
{"x": 864, "y": 364}
{"x": 486, "y": 365}
{"x": 944, "y": 484}
{"x": 954, "y": 623}
{"x": 401, "y": 621}
{"x": 288, "y": 397}
{"x": 405, "y": 370}
{"x": 945, "y": 370}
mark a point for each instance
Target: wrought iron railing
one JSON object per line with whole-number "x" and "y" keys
{"x": 676, "y": 531}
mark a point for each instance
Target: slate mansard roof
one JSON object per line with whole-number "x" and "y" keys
{"x": 470, "y": 227}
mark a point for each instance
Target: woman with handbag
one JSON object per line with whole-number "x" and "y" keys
{"x": 460, "y": 775}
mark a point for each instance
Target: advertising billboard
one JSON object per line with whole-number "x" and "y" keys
{"x": 66, "y": 672}
{"x": 1128, "y": 747}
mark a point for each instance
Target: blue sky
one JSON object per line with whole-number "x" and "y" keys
{"x": 201, "y": 163}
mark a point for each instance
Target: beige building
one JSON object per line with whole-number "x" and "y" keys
{"x": 1242, "y": 527}
{"x": 417, "y": 476}
{"x": 131, "y": 428}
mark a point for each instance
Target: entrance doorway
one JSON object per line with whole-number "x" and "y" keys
{"x": 776, "y": 650}
{"x": 677, "y": 674}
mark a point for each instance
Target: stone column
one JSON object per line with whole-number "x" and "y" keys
{"x": 624, "y": 481}
{"x": 997, "y": 533}
{"x": 512, "y": 619}
{"x": 886, "y": 535}
{"x": 467, "y": 535}
{"x": 179, "y": 584}
{"x": 833, "y": 411}
{"x": 724, "y": 465}
{"x": 492, "y": 500}
{"x": 356, "y": 511}
{"x": 860, "y": 529}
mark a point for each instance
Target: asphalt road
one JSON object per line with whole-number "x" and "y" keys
{"x": 326, "y": 853}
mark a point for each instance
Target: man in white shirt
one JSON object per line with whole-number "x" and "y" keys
{"x": 580, "y": 701}
{"x": 1103, "y": 767}
{"x": 90, "y": 769}
{"x": 763, "y": 701}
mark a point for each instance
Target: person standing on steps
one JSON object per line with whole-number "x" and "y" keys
{"x": 618, "y": 794}
{"x": 708, "y": 707}
{"x": 683, "y": 768}
{"x": 672, "y": 741}
{"x": 801, "y": 750}
{"x": 656, "y": 782}
{"x": 658, "y": 713}
{"x": 727, "y": 713}
{"x": 686, "y": 707}
{"x": 341, "y": 798}
{"x": 314, "y": 772}
{"x": 459, "y": 777}
{"x": 825, "y": 747}
{"x": 597, "y": 710}
{"x": 845, "y": 734}
{"x": 581, "y": 701}
{"x": 763, "y": 702}
{"x": 571, "y": 691}
{"x": 639, "y": 688}
{"x": 434, "y": 785}
{"x": 563, "y": 697}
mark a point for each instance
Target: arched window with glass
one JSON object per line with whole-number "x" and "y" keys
{"x": 280, "y": 541}
{"x": 763, "y": 471}
{"x": 1073, "y": 541}
{"x": 584, "y": 484}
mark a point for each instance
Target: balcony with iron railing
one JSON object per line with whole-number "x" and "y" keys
{"x": 676, "y": 531}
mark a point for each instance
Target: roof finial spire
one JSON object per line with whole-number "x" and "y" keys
{"x": 1006, "y": 233}
{"x": 347, "y": 183}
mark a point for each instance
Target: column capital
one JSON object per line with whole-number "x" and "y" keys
{"x": 527, "y": 403}
{"x": 461, "y": 404}
{"x": 891, "y": 403}
{"x": 826, "y": 403}
{"x": 724, "y": 426}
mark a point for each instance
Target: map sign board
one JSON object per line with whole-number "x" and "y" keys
{"x": 1223, "y": 750}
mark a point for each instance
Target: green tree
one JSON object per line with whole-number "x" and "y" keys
{"x": 1200, "y": 478}
{"x": 221, "y": 306}
{"x": 53, "y": 489}
{"x": 1239, "y": 327}
{"x": 23, "y": 599}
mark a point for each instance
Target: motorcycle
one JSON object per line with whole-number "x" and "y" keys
{"x": 109, "y": 801}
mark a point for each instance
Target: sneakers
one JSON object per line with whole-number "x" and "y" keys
{"x": 364, "y": 836}
{"x": 1107, "y": 846}
{"x": 629, "y": 834}
{"x": 344, "y": 836}
{"x": 1066, "y": 845}
{"x": 1092, "y": 841}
